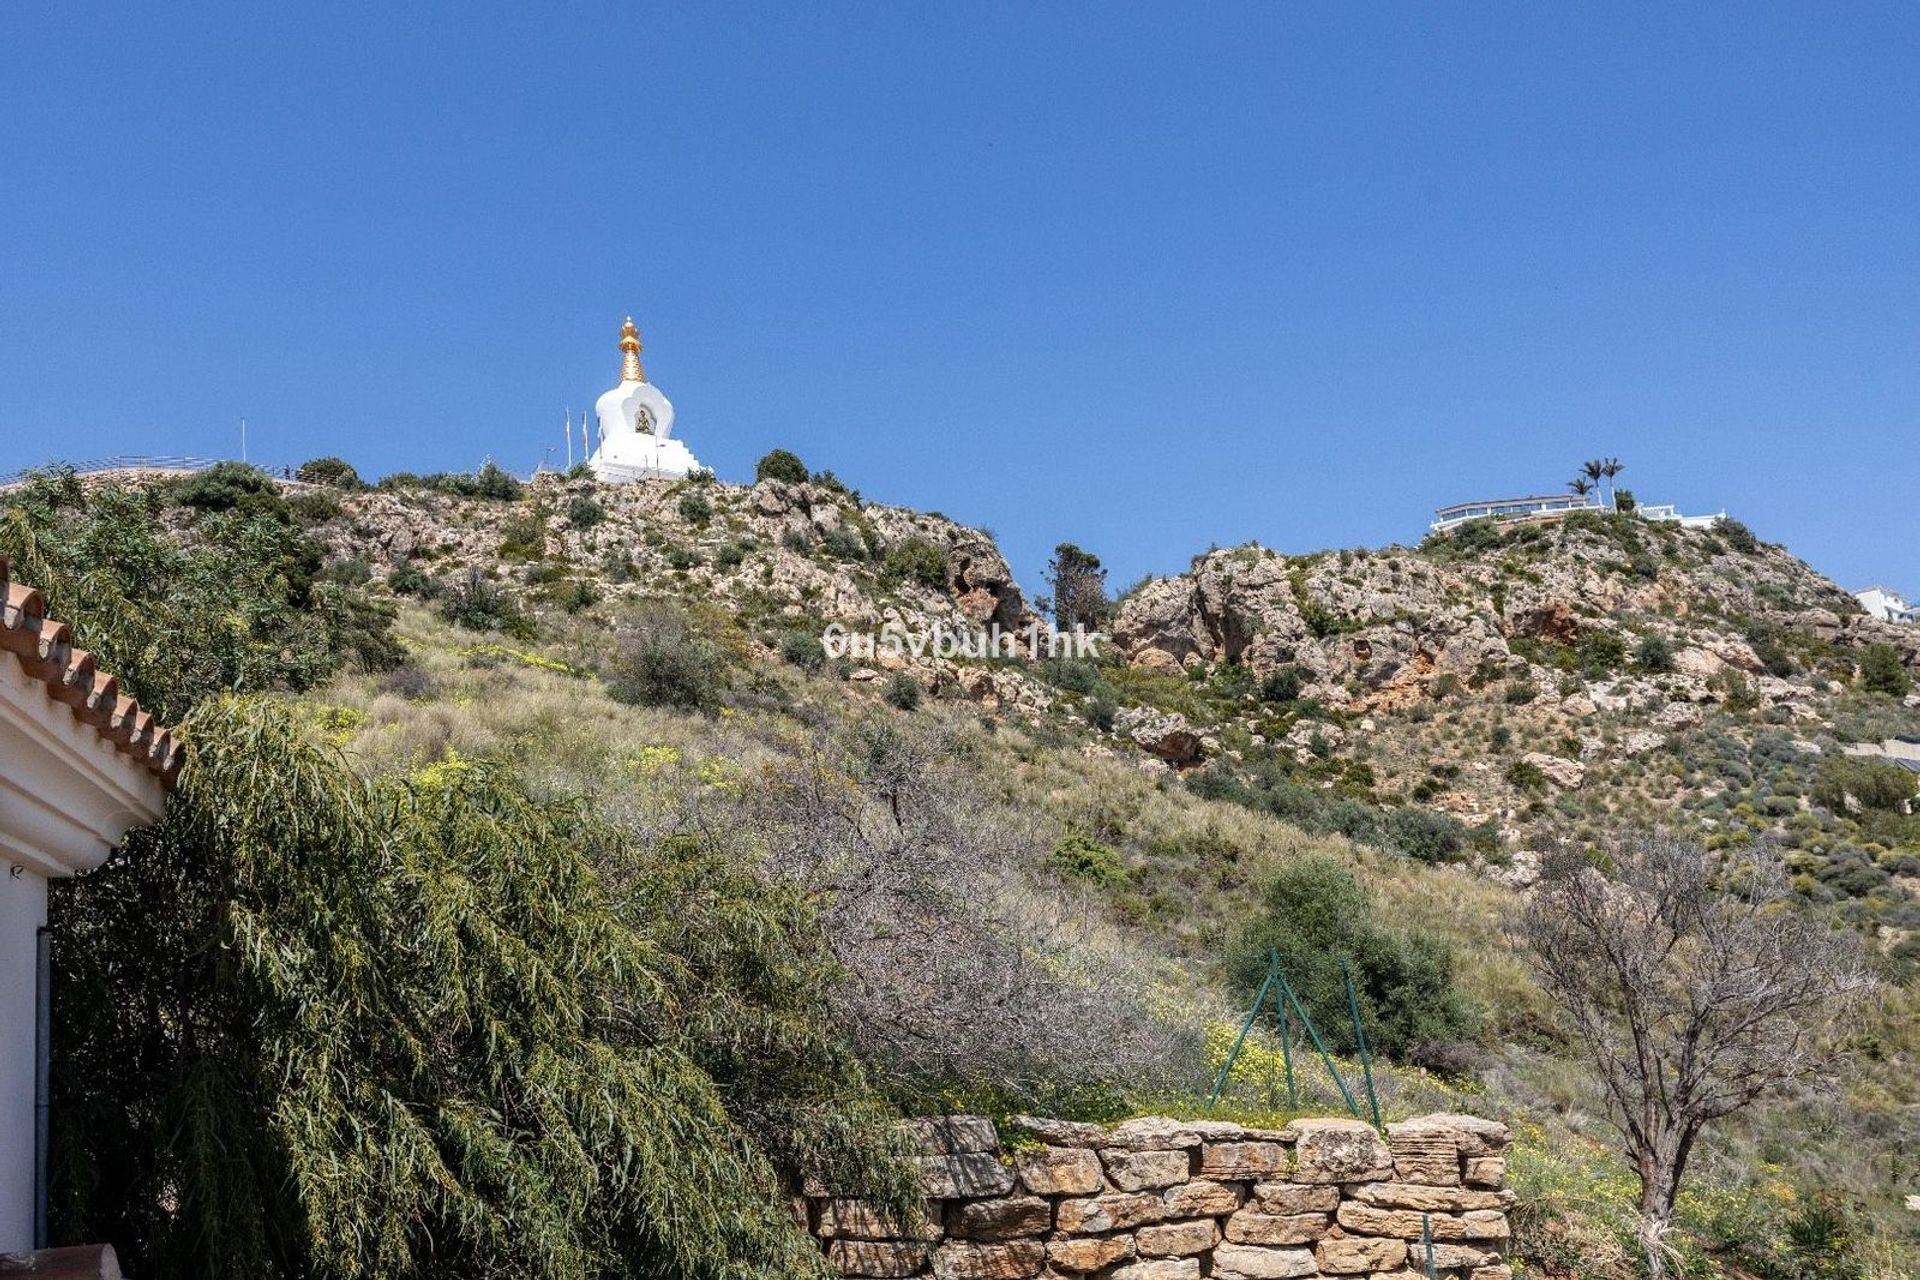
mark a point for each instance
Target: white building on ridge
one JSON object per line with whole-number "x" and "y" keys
{"x": 636, "y": 425}
{"x": 1886, "y": 604}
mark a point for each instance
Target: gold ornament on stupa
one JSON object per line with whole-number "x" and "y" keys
{"x": 630, "y": 370}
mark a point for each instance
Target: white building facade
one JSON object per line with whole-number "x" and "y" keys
{"x": 1886, "y": 604}
{"x": 636, "y": 425}
{"x": 80, "y": 765}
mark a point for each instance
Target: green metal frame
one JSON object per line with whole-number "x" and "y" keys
{"x": 1276, "y": 984}
{"x": 1360, "y": 1039}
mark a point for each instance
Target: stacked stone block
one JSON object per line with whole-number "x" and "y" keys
{"x": 1160, "y": 1199}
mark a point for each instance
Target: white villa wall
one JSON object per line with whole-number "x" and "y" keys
{"x": 23, "y": 909}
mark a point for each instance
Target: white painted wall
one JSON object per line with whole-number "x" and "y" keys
{"x": 23, "y": 909}
{"x": 66, "y": 798}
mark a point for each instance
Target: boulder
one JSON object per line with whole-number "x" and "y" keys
{"x": 1165, "y": 734}
{"x": 1561, "y": 772}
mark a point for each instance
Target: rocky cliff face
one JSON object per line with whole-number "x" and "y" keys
{"x": 1377, "y": 630}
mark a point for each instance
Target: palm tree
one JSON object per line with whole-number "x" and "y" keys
{"x": 1581, "y": 485}
{"x": 1610, "y": 468}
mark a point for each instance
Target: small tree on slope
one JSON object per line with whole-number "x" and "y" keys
{"x": 1694, "y": 991}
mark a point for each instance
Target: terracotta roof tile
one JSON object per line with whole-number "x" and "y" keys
{"x": 45, "y": 650}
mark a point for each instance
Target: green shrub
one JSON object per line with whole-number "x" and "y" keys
{"x": 1281, "y": 685}
{"x": 1873, "y": 784}
{"x": 843, "y": 542}
{"x": 803, "y": 650}
{"x": 335, "y": 472}
{"x": 916, "y": 560}
{"x": 1315, "y": 912}
{"x": 1501, "y": 738}
{"x": 491, "y": 482}
{"x": 227, "y": 553}
{"x": 1882, "y": 672}
{"x": 353, "y": 571}
{"x": 1601, "y": 653}
{"x": 311, "y": 507}
{"x": 584, "y": 511}
{"x": 662, "y": 658}
{"x": 903, "y": 691}
{"x": 797, "y": 541}
{"x": 477, "y": 604}
{"x": 782, "y": 465}
{"x": 1526, "y": 776}
{"x": 1736, "y": 535}
{"x": 834, "y": 484}
{"x": 694, "y": 507}
{"x": 1101, "y": 709}
{"x": 1079, "y": 857}
{"x": 682, "y": 558}
{"x": 229, "y": 486}
{"x": 1427, "y": 836}
{"x": 524, "y": 537}
{"x": 729, "y": 555}
{"x": 1654, "y": 653}
{"x": 407, "y": 579}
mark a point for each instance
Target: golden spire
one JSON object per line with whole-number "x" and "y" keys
{"x": 630, "y": 370}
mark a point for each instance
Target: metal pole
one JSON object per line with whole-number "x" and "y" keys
{"x": 1313, "y": 1033}
{"x": 42, "y": 1076}
{"x": 1426, "y": 1242}
{"x": 1286, "y": 1032}
{"x": 1286, "y": 1052}
{"x": 1233, "y": 1054}
{"x": 1360, "y": 1039}
{"x": 243, "y": 439}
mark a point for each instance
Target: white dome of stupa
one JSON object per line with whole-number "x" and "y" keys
{"x": 636, "y": 425}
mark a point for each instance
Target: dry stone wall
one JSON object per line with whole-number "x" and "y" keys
{"x": 1159, "y": 1199}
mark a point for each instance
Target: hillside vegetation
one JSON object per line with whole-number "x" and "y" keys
{"x": 1051, "y": 885}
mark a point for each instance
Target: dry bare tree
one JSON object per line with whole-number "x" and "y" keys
{"x": 1079, "y": 588}
{"x": 964, "y": 971}
{"x": 1694, "y": 986}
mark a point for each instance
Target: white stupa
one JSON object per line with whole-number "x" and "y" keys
{"x": 636, "y": 425}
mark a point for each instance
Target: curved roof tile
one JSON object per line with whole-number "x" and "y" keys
{"x": 45, "y": 650}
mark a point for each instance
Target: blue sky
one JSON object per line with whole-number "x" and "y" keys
{"x": 1142, "y": 277}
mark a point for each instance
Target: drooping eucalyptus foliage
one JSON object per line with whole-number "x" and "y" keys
{"x": 319, "y": 1025}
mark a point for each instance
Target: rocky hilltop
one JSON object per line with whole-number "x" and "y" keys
{"x": 1503, "y": 679}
